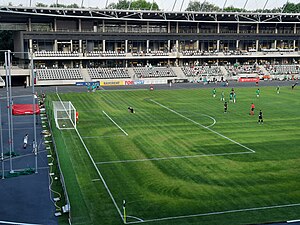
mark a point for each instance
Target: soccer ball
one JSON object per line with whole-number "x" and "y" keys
{"x": 64, "y": 125}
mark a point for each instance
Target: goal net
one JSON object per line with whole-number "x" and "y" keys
{"x": 64, "y": 115}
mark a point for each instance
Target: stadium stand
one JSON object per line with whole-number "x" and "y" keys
{"x": 58, "y": 74}
{"x": 105, "y": 53}
{"x": 153, "y": 72}
{"x": 108, "y": 73}
{"x": 282, "y": 69}
{"x": 199, "y": 53}
{"x": 56, "y": 54}
{"x": 234, "y": 70}
{"x": 201, "y": 71}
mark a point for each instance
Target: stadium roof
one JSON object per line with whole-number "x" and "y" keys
{"x": 164, "y": 5}
{"x": 17, "y": 13}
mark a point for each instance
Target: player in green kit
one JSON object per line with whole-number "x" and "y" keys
{"x": 214, "y": 92}
{"x": 222, "y": 96}
{"x": 278, "y": 89}
{"x": 234, "y": 97}
{"x": 257, "y": 93}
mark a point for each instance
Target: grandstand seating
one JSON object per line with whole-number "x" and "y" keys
{"x": 199, "y": 53}
{"x": 234, "y": 70}
{"x": 58, "y": 74}
{"x": 283, "y": 69}
{"x": 153, "y": 72}
{"x": 104, "y": 53}
{"x": 151, "y": 53}
{"x": 201, "y": 70}
{"x": 108, "y": 73}
{"x": 56, "y": 54}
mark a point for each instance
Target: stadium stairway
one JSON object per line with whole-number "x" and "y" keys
{"x": 85, "y": 75}
{"x": 224, "y": 71}
{"x": 178, "y": 71}
{"x": 263, "y": 69}
{"x": 131, "y": 73}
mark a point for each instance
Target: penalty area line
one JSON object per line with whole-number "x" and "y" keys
{"x": 199, "y": 124}
{"x": 216, "y": 213}
{"x": 115, "y": 123}
{"x": 171, "y": 157}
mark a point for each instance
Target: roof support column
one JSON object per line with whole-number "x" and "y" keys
{"x": 126, "y": 46}
{"x": 55, "y": 45}
{"x": 147, "y": 46}
{"x": 103, "y": 46}
{"x": 80, "y": 46}
{"x": 29, "y": 24}
{"x": 55, "y": 25}
{"x": 79, "y": 25}
{"x": 257, "y": 41}
{"x": 218, "y": 41}
{"x": 30, "y": 46}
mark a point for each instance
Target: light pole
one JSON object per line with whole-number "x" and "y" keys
{"x": 9, "y": 108}
{"x": 1, "y": 142}
{"x": 34, "y": 144}
{"x": 9, "y": 115}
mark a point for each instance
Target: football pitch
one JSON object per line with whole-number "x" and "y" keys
{"x": 179, "y": 159}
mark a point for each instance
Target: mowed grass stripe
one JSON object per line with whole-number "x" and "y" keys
{"x": 161, "y": 134}
{"x": 160, "y": 189}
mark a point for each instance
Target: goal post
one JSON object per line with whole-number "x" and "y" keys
{"x": 64, "y": 115}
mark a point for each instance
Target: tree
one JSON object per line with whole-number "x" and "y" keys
{"x": 74, "y": 5}
{"x": 39, "y": 4}
{"x": 136, "y": 5}
{"x": 143, "y": 4}
{"x": 292, "y": 8}
{"x": 197, "y": 6}
{"x": 122, "y": 4}
{"x": 232, "y": 9}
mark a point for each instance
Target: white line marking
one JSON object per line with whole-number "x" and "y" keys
{"x": 96, "y": 168}
{"x": 215, "y": 213}
{"x": 210, "y": 118}
{"x": 104, "y": 136}
{"x": 293, "y": 221}
{"x": 15, "y": 223}
{"x": 172, "y": 157}
{"x": 96, "y": 180}
{"x": 229, "y": 139}
{"x": 115, "y": 123}
{"x": 133, "y": 217}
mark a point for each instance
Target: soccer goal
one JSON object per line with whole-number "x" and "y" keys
{"x": 64, "y": 115}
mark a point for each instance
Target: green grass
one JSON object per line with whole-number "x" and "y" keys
{"x": 218, "y": 175}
